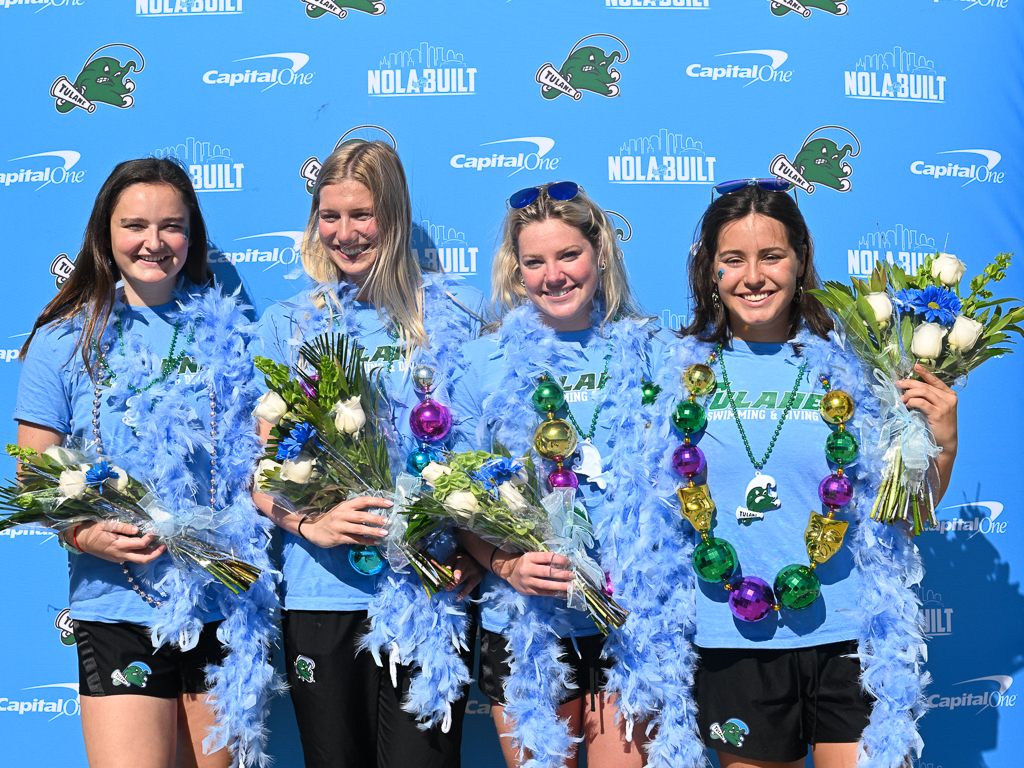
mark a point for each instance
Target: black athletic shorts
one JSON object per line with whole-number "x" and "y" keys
{"x": 587, "y": 667}
{"x": 773, "y": 704}
{"x": 118, "y": 659}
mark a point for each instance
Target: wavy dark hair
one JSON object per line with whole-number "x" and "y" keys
{"x": 710, "y": 319}
{"x": 89, "y": 291}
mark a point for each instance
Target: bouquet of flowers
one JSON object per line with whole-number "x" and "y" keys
{"x": 328, "y": 442}
{"x": 494, "y": 496}
{"x": 65, "y": 486}
{"x": 896, "y": 320}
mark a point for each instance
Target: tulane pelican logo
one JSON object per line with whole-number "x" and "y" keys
{"x": 317, "y": 8}
{"x": 304, "y": 667}
{"x": 803, "y": 7}
{"x": 622, "y": 234}
{"x": 66, "y": 627}
{"x": 733, "y": 731}
{"x": 587, "y": 68}
{"x": 762, "y": 496}
{"x": 102, "y": 79}
{"x": 310, "y": 169}
{"x": 135, "y": 673}
{"x": 819, "y": 161}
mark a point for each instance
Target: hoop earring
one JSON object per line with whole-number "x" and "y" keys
{"x": 799, "y": 294}
{"x": 522, "y": 281}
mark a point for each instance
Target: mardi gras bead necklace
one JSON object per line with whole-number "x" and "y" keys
{"x": 715, "y": 561}
{"x": 170, "y": 364}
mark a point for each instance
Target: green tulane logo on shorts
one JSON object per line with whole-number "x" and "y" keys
{"x": 819, "y": 161}
{"x": 103, "y": 79}
{"x": 137, "y": 673}
{"x": 804, "y": 7}
{"x": 317, "y": 8}
{"x": 304, "y": 667}
{"x": 732, "y": 731}
{"x": 586, "y": 68}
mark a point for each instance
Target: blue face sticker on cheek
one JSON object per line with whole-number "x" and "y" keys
{"x": 721, "y": 274}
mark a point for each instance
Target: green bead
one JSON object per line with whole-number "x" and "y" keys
{"x": 649, "y": 391}
{"x": 841, "y": 447}
{"x": 797, "y": 586}
{"x": 689, "y": 417}
{"x": 714, "y": 560}
{"x": 548, "y": 396}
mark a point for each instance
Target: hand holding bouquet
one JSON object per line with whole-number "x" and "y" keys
{"x": 65, "y": 486}
{"x": 494, "y": 496}
{"x": 895, "y": 321}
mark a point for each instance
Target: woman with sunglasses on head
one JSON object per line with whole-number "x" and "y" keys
{"x": 805, "y": 626}
{"x": 343, "y": 605}
{"x": 567, "y": 315}
{"x": 163, "y": 656}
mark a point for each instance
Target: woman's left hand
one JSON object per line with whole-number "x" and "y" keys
{"x": 467, "y": 574}
{"x": 937, "y": 402}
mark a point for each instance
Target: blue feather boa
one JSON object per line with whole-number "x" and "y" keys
{"x": 165, "y": 439}
{"x": 889, "y": 614}
{"x": 405, "y": 623}
{"x": 640, "y": 548}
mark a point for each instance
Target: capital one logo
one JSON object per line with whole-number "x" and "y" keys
{"x": 273, "y": 75}
{"x": 33, "y": 173}
{"x": 974, "y": 172}
{"x": 520, "y": 160}
{"x": 752, "y": 73}
{"x": 985, "y": 523}
{"x": 284, "y": 252}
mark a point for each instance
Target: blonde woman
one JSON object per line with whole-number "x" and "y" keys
{"x": 367, "y": 283}
{"x": 567, "y": 311}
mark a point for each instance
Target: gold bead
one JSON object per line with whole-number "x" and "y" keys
{"x": 699, "y": 380}
{"x": 555, "y": 438}
{"x": 836, "y": 407}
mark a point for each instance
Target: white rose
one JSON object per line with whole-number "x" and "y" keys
{"x": 299, "y": 469}
{"x": 62, "y": 456}
{"x": 349, "y": 416}
{"x": 513, "y": 498}
{"x": 965, "y": 333}
{"x": 271, "y": 407}
{"x": 120, "y": 480}
{"x": 432, "y": 471}
{"x": 881, "y": 306}
{"x": 266, "y": 465}
{"x": 72, "y": 483}
{"x": 463, "y": 500}
{"x": 927, "y": 341}
{"x": 948, "y": 269}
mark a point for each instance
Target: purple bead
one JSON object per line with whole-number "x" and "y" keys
{"x": 688, "y": 460}
{"x": 751, "y": 599}
{"x": 430, "y": 421}
{"x": 563, "y": 478}
{"x": 835, "y": 491}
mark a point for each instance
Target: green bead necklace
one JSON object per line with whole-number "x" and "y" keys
{"x": 597, "y": 411}
{"x": 736, "y": 415}
{"x": 170, "y": 364}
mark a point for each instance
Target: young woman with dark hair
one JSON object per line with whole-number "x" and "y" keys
{"x": 804, "y": 630}
{"x": 144, "y": 362}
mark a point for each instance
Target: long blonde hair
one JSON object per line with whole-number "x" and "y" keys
{"x": 593, "y": 223}
{"x": 395, "y": 282}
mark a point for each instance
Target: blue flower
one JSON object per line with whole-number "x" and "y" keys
{"x": 938, "y": 305}
{"x": 99, "y": 472}
{"x": 495, "y": 472}
{"x": 289, "y": 447}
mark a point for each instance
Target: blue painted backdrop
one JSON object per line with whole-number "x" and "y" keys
{"x": 917, "y": 106}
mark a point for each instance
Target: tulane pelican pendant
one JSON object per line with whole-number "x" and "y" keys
{"x": 589, "y": 464}
{"x": 762, "y": 496}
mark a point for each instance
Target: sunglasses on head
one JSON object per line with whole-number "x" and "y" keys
{"x": 560, "y": 190}
{"x": 772, "y": 184}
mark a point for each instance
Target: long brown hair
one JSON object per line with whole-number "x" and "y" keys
{"x": 710, "y": 318}
{"x": 90, "y": 290}
{"x": 593, "y": 223}
{"x": 395, "y": 281}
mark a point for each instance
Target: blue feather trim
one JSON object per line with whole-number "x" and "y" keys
{"x": 242, "y": 684}
{"x": 640, "y": 548}
{"x": 890, "y": 636}
{"x": 405, "y": 623}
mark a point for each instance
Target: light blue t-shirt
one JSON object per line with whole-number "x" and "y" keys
{"x": 482, "y": 374}
{"x": 762, "y": 377}
{"x": 315, "y": 578}
{"x": 55, "y": 391}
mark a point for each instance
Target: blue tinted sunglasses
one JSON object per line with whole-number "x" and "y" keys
{"x": 772, "y": 184}
{"x": 560, "y": 190}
